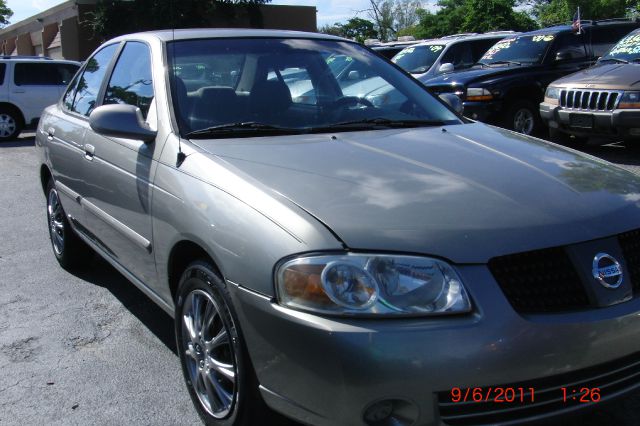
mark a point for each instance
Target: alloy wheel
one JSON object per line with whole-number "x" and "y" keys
{"x": 56, "y": 221}
{"x": 7, "y": 125}
{"x": 210, "y": 357}
{"x": 523, "y": 121}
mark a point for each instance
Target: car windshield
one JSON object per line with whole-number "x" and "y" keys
{"x": 627, "y": 49}
{"x": 418, "y": 59}
{"x": 523, "y": 49}
{"x": 266, "y": 85}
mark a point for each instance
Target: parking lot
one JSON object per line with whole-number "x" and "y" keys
{"x": 89, "y": 348}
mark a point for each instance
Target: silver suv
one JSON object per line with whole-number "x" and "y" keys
{"x": 335, "y": 260}
{"x": 28, "y": 84}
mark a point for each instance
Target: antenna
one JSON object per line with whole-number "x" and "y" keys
{"x": 181, "y": 155}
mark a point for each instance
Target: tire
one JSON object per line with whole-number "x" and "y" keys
{"x": 523, "y": 117}
{"x": 10, "y": 124}
{"x": 70, "y": 251}
{"x": 219, "y": 376}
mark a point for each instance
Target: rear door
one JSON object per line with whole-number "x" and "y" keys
{"x": 119, "y": 174}
{"x": 36, "y": 85}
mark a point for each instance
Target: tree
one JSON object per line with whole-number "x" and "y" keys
{"x": 382, "y": 13}
{"x": 461, "y": 16}
{"x": 108, "y": 21}
{"x": 5, "y": 13}
{"x": 549, "y": 12}
{"x": 356, "y": 29}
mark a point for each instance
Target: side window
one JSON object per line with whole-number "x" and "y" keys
{"x": 89, "y": 84}
{"x": 43, "y": 74}
{"x": 459, "y": 55}
{"x": 3, "y": 69}
{"x": 573, "y": 43}
{"x": 66, "y": 72}
{"x": 603, "y": 39}
{"x": 131, "y": 82}
{"x": 67, "y": 98}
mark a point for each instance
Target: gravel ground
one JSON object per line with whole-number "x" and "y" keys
{"x": 90, "y": 348}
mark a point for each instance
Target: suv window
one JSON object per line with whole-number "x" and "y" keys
{"x": 603, "y": 38}
{"x": 43, "y": 74}
{"x": 3, "y": 69}
{"x": 480, "y": 47}
{"x": 459, "y": 55}
{"x": 131, "y": 82}
{"x": 571, "y": 42}
{"x": 89, "y": 83}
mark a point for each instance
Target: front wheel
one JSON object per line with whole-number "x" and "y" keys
{"x": 215, "y": 364}
{"x": 69, "y": 250}
{"x": 523, "y": 117}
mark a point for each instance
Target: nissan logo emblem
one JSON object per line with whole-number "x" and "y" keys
{"x": 607, "y": 271}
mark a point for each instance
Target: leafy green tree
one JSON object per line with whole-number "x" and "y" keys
{"x": 5, "y": 13}
{"x": 549, "y": 12}
{"x": 116, "y": 17}
{"x": 462, "y": 16}
{"x": 359, "y": 29}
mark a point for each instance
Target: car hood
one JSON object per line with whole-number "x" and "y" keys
{"x": 605, "y": 76}
{"x": 463, "y": 78}
{"x": 464, "y": 192}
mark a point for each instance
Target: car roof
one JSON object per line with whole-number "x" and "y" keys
{"x": 455, "y": 38}
{"x": 585, "y": 24}
{"x": 196, "y": 33}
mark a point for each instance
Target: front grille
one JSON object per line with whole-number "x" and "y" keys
{"x": 630, "y": 245}
{"x": 612, "y": 378}
{"x": 589, "y": 100}
{"x": 540, "y": 281}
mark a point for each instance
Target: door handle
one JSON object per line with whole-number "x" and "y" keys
{"x": 89, "y": 151}
{"x": 50, "y": 132}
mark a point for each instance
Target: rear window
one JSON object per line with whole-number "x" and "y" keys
{"x": 43, "y": 74}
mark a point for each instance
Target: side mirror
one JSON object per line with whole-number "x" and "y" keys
{"x": 121, "y": 121}
{"x": 564, "y": 55}
{"x": 446, "y": 67}
{"x": 453, "y": 101}
{"x": 353, "y": 75}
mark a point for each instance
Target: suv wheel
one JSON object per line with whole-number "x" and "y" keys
{"x": 70, "y": 251}
{"x": 215, "y": 363}
{"x": 522, "y": 117}
{"x": 10, "y": 124}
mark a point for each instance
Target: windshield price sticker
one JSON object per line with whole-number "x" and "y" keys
{"x": 504, "y": 44}
{"x": 435, "y": 48}
{"x": 544, "y": 38}
{"x": 629, "y": 45}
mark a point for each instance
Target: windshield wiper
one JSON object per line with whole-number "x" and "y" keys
{"x": 243, "y": 127}
{"x": 505, "y": 62}
{"x": 622, "y": 61}
{"x": 373, "y": 123}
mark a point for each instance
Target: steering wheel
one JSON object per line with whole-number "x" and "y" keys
{"x": 351, "y": 100}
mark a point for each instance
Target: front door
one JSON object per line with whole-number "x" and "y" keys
{"x": 119, "y": 172}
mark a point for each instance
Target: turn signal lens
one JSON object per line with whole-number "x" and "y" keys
{"x": 478, "y": 94}
{"x": 630, "y": 100}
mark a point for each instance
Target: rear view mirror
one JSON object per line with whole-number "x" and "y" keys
{"x": 121, "y": 121}
{"x": 453, "y": 101}
{"x": 564, "y": 55}
{"x": 446, "y": 67}
{"x": 353, "y": 75}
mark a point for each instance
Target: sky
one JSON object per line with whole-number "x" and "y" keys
{"x": 329, "y": 11}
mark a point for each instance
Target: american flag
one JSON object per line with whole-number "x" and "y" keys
{"x": 576, "y": 25}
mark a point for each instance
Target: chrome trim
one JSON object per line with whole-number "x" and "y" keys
{"x": 589, "y": 99}
{"x": 68, "y": 191}
{"x": 115, "y": 223}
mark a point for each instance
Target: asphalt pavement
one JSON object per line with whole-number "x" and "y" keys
{"x": 89, "y": 348}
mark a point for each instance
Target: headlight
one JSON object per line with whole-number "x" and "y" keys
{"x": 630, "y": 100}
{"x": 552, "y": 95}
{"x": 369, "y": 284}
{"x": 478, "y": 94}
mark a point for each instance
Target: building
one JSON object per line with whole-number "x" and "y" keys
{"x": 61, "y": 32}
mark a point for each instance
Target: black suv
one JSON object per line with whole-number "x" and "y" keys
{"x": 508, "y": 83}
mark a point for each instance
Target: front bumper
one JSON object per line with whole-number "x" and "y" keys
{"x": 326, "y": 371}
{"x": 487, "y": 112}
{"x": 617, "y": 124}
